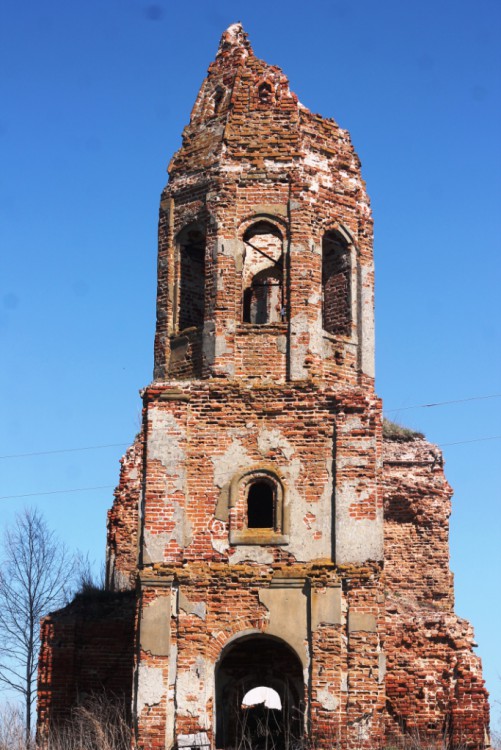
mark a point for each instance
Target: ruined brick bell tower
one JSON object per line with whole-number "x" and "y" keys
{"x": 246, "y": 539}
{"x": 261, "y": 524}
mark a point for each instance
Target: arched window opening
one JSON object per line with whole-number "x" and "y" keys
{"x": 260, "y": 506}
{"x": 265, "y": 93}
{"x": 263, "y": 299}
{"x": 263, "y": 296}
{"x": 336, "y": 292}
{"x": 191, "y": 243}
{"x": 218, "y": 99}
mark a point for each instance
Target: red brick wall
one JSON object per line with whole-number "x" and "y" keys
{"x": 122, "y": 545}
{"x": 87, "y": 649}
{"x": 434, "y": 685}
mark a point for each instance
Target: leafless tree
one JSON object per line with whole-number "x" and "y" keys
{"x": 36, "y": 577}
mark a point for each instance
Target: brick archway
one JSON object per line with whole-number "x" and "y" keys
{"x": 255, "y": 661}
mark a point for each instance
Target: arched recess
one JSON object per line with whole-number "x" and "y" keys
{"x": 262, "y": 276}
{"x": 259, "y": 661}
{"x": 258, "y": 512}
{"x": 191, "y": 277}
{"x": 336, "y": 283}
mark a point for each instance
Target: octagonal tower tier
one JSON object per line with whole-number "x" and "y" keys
{"x": 265, "y": 265}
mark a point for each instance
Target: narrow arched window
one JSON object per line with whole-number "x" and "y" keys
{"x": 265, "y": 93}
{"x": 191, "y": 295}
{"x": 218, "y": 99}
{"x": 263, "y": 299}
{"x": 263, "y": 293}
{"x": 260, "y": 506}
{"x": 336, "y": 292}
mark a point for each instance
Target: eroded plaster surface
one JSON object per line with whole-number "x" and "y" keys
{"x": 280, "y": 603}
{"x": 150, "y": 686}
{"x": 155, "y": 626}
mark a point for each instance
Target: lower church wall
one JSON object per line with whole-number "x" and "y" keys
{"x": 86, "y": 652}
{"x": 376, "y": 666}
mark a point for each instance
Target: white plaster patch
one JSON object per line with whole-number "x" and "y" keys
{"x": 363, "y": 727}
{"x": 164, "y": 445}
{"x": 172, "y": 668}
{"x": 328, "y": 701}
{"x": 182, "y": 534}
{"x": 269, "y": 440}
{"x": 194, "y": 689}
{"x": 315, "y": 298}
{"x": 225, "y": 466}
{"x": 154, "y": 545}
{"x": 302, "y": 544}
{"x": 220, "y": 545}
{"x": 192, "y": 608}
{"x": 366, "y": 324}
{"x": 151, "y": 688}
{"x": 277, "y": 165}
{"x": 358, "y": 540}
{"x": 299, "y": 329}
{"x": 282, "y": 344}
{"x": 316, "y": 160}
{"x": 352, "y": 423}
{"x": 248, "y": 553}
{"x": 220, "y": 346}
{"x": 316, "y": 335}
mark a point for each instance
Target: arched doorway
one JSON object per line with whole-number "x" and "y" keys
{"x": 259, "y": 661}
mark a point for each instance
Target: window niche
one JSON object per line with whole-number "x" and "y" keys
{"x": 265, "y": 93}
{"x": 263, "y": 292}
{"x": 336, "y": 284}
{"x": 217, "y": 100}
{"x": 257, "y": 508}
{"x": 191, "y": 276}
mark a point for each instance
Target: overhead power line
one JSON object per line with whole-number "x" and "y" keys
{"x": 386, "y": 411}
{"x": 474, "y": 440}
{"x": 111, "y": 486}
{"x": 443, "y": 403}
{"x": 59, "y": 492}
{"x": 65, "y": 450}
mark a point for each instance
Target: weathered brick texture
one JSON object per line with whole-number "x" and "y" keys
{"x": 87, "y": 650}
{"x": 434, "y": 685}
{"x": 263, "y": 392}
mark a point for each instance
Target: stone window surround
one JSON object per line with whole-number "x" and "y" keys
{"x": 238, "y": 532}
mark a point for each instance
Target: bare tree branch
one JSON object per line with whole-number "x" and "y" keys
{"x": 37, "y": 576}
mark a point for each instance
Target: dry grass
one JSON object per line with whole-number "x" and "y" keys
{"x": 98, "y": 724}
{"x": 399, "y": 433}
{"x": 101, "y": 724}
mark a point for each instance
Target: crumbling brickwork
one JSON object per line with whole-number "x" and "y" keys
{"x": 434, "y": 685}
{"x": 123, "y": 521}
{"x": 87, "y": 650}
{"x": 249, "y": 515}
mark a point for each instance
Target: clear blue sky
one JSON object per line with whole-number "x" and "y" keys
{"x": 94, "y": 97}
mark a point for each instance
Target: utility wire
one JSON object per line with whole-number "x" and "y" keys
{"x": 111, "y": 486}
{"x": 386, "y": 411}
{"x": 443, "y": 403}
{"x": 475, "y": 440}
{"x": 65, "y": 450}
{"x": 59, "y": 492}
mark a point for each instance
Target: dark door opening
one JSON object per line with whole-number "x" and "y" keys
{"x": 259, "y": 662}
